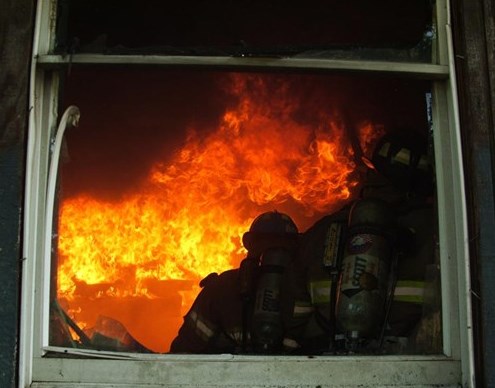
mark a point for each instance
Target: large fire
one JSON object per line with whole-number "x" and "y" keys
{"x": 139, "y": 260}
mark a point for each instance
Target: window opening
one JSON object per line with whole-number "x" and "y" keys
{"x": 168, "y": 168}
{"x": 356, "y": 29}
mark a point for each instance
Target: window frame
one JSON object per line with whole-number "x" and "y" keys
{"x": 453, "y": 368}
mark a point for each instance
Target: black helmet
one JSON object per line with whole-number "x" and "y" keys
{"x": 270, "y": 229}
{"x": 404, "y": 161}
{"x": 273, "y": 222}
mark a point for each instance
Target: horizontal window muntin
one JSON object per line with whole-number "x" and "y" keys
{"x": 424, "y": 71}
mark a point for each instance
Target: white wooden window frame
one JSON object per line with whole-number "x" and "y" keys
{"x": 109, "y": 369}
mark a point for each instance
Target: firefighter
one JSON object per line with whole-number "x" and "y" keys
{"x": 281, "y": 300}
{"x": 367, "y": 263}
{"x": 249, "y": 309}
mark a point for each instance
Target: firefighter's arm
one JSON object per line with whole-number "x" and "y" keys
{"x": 199, "y": 325}
{"x": 300, "y": 306}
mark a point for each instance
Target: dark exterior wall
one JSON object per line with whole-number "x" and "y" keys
{"x": 16, "y": 19}
{"x": 474, "y": 33}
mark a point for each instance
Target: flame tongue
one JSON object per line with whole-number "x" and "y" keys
{"x": 188, "y": 218}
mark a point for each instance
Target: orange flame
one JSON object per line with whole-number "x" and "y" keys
{"x": 187, "y": 220}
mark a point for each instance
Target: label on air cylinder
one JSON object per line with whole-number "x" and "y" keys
{"x": 360, "y": 272}
{"x": 360, "y": 243}
{"x": 268, "y": 301}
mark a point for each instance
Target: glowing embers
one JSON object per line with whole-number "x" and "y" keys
{"x": 139, "y": 260}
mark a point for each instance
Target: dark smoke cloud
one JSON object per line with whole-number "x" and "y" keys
{"x": 133, "y": 117}
{"x": 129, "y": 120}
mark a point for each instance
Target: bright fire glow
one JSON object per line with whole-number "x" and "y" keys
{"x": 187, "y": 220}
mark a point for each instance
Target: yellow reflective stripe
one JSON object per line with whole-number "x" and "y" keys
{"x": 236, "y": 335}
{"x": 384, "y": 150}
{"x": 403, "y": 156}
{"x": 405, "y": 291}
{"x": 409, "y": 299}
{"x": 320, "y": 291}
{"x": 200, "y": 326}
{"x": 410, "y": 291}
{"x": 290, "y": 343}
{"x": 410, "y": 283}
{"x": 423, "y": 163}
{"x": 302, "y": 308}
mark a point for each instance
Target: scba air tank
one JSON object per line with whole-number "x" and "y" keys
{"x": 267, "y": 326}
{"x": 365, "y": 272}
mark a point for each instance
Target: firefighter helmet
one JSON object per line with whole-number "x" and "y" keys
{"x": 270, "y": 228}
{"x": 273, "y": 222}
{"x": 404, "y": 160}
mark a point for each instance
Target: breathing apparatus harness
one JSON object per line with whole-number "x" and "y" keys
{"x": 373, "y": 245}
{"x": 270, "y": 241}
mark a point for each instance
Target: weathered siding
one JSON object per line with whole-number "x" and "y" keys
{"x": 16, "y": 18}
{"x": 474, "y": 31}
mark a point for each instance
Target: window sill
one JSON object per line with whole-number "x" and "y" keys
{"x": 262, "y": 371}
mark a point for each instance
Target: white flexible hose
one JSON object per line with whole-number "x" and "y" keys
{"x": 69, "y": 118}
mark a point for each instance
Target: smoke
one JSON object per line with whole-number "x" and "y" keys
{"x": 129, "y": 119}
{"x": 133, "y": 117}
